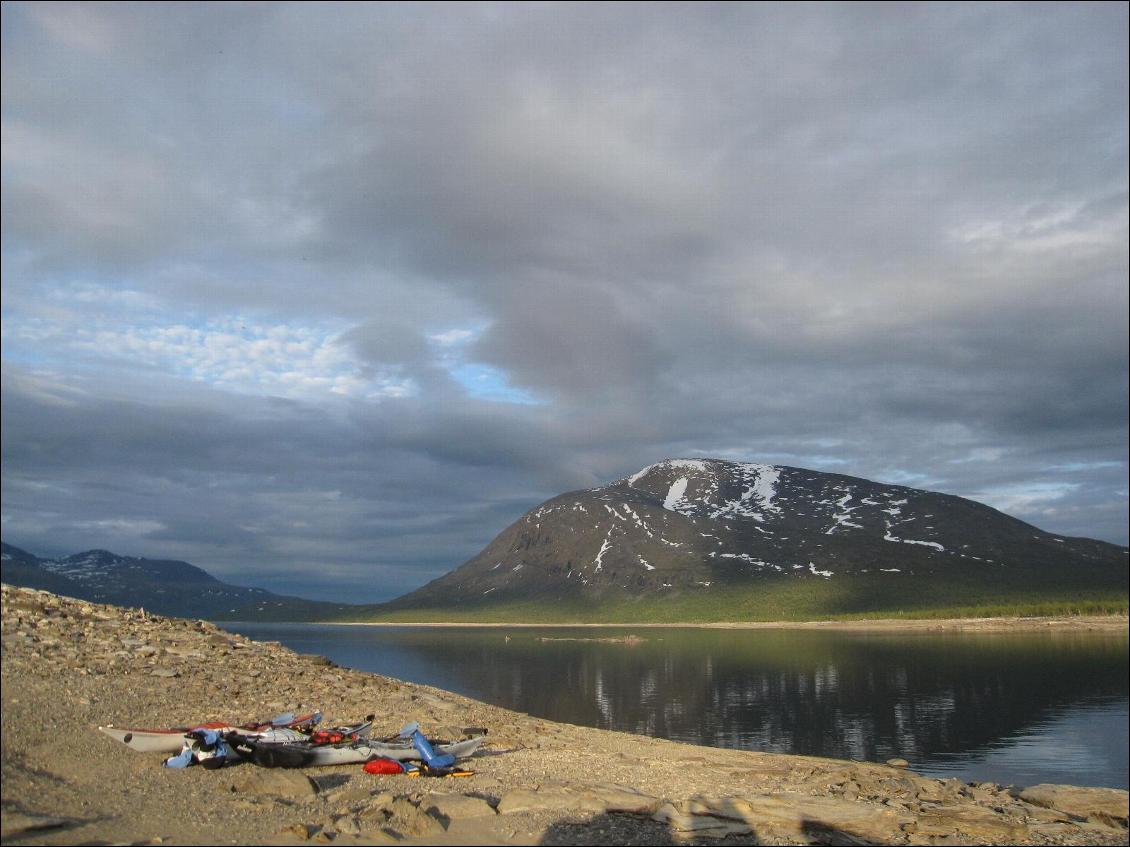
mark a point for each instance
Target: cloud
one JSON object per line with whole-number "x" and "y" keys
{"x": 357, "y": 289}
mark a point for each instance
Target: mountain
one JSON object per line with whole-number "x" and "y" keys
{"x": 706, "y": 527}
{"x": 683, "y": 540}
{"x": 21, "y": 568}
{"x": 165, "y": 587}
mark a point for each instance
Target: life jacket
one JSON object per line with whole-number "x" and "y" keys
{"x": 331, "y": 736}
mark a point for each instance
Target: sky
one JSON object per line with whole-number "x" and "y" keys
{"x": 322, "y": 298}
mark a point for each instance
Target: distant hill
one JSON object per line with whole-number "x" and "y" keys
{"x": 165, "y": 587}
{"x": 706, "y": 539}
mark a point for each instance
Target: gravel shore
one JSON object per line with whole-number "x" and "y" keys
{"x": 70, "y": 666}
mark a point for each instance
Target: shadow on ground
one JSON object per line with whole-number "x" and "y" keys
{"x": 620, "y": 829}
{"x": 631, "y": 830}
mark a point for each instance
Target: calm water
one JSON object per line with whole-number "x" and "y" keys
{"x": 1014, "y": 709}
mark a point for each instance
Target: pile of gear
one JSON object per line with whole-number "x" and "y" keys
{"x": 287, "y": 741}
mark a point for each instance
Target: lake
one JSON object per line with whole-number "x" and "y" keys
{"x": 1017, "y": 709}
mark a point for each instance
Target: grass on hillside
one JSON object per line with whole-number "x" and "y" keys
{"x": 794, "y": 600}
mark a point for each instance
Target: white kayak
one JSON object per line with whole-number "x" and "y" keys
{"x": 213, "y": 749}
{"x": 171, "y": 740}
{"x": 157, "y": 740}
{"x": 303, "y": 755}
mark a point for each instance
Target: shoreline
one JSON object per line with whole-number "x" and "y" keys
{"x": 1098, "y": 623}
{"x": 70, "y": 666}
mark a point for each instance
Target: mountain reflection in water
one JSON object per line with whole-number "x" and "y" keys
{"x": 1023, "y": 708}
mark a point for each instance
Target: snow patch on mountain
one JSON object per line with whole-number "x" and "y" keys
{"x": 90, "y": 567}
{"x": 603, "y": 549}
{"x": 681, "y": 464}
{"x": 757, "y": 483}
{"x": 760, "y": 489}
{"x": 675, "y": 496}
{"x": 745, "y": 557}
{"x": 934, "y": 544}
{"x": 763, "y": 480}
{"x": 841, "y": 517}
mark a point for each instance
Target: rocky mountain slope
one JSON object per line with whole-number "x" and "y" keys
{"x": 166, "y": 587}
{"x": 698, "y": 525}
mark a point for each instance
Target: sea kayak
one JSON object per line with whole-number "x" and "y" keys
{"x": 171, "y": 740}
{"x": 305, "y": 754}
{"x": 213, "y": 749}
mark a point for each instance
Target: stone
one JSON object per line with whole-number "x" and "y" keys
{"x": 435, "y": 702}
{"x": 457, "y": 806}
{"x": 623, "y": 799}
{"x": 372, "y": 820}
{"x": 301, "y": 831}
{"x": 985, "y": 793}
{"x": 1048, "y": 815}
{"x": 1104, "y": 805}
{"x": 346, "y": 825}
{"x": 798, "y": 815}
{"x": 407, "y": 819}
{"x": 970, "y": 822}
{"x": 928, "y": 826}
{"x": 548, "y": 798}
{"x": 1096, "y": 833}
{"x": 381, "y": 802}
{"x": 1054, "y": 833}
{"x": 952, "y": 786}
{"x": 931, "y": 791}
{"x": 897, "y": 786}
{"x": 283, "y": 783}
{"x": 681, "y": 820}
{"x": 898, "y": 763}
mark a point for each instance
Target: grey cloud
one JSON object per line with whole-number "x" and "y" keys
{"x": 743, "y": 230}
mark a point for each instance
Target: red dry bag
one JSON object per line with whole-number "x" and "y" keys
{"x": 383, "y": 765}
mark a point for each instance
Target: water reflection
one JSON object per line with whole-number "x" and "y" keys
{"x": 979, "y": 706}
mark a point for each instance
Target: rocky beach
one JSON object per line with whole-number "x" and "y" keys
{"x": 70, "y": 666}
